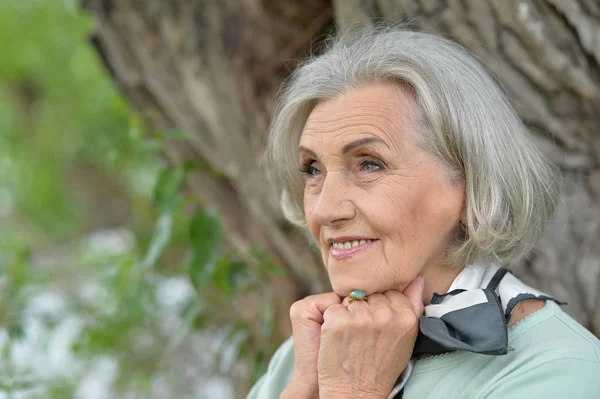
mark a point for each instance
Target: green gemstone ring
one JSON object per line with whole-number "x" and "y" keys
{"x": 356, "y": 295}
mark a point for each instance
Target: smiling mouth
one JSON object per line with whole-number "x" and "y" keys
{"x": 349, "y": 244}
{"x": 347, "y": 249}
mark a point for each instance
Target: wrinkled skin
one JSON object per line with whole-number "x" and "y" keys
{"x": 392, "y": 191}
{"x": 367, "y": 179}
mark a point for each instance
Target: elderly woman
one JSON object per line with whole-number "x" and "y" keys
{"x": 417, "y": 181}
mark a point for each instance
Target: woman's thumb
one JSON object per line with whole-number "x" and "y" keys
{"x": 414, "y": 293}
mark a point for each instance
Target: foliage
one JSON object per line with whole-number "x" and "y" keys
{"x": 107, "y": 271}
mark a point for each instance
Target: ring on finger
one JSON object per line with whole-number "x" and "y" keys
{"x": 356, "y": 295}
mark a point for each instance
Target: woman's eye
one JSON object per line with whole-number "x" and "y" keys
{"x": 310, "y": 170}
{"x": 370, "y": 165}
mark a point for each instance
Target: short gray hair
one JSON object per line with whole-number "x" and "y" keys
{"x": 467, "y": 123}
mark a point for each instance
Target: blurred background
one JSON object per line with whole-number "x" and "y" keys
{"x": 97, "y": 245}
{"x": 143, "y": 254}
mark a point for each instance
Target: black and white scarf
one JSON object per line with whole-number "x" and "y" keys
{"x": 472, "y": 316}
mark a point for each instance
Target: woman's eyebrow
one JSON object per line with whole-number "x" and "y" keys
{"x": 347, "y": 147}
{"x": 302, "y": 149}
{"x": 361, "y": 142}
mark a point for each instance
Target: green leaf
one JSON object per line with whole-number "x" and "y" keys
{"x": 200, "y": 321}
{"x": 16, "y": 331}
{"x": 266, "y": 263}
{"x": 193, "y": 164}
{"x": 237, "y": 272}
{"x": 190, "y": 317}
{"x": 160, "y": 239}
{"x": 205, "y": 241}
{"x": 167, "y": 187}
{"x": 18, "y": 272}
{"x": 260, "y": 365}
{"x": 228, "y": 274}
{"x": 221, "y": 276}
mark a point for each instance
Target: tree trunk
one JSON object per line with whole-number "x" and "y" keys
{"x": 212, "y": 68}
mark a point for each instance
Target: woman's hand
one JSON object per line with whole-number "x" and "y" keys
{"x": 307, "y": 317}
{"x": 366, "y": 346}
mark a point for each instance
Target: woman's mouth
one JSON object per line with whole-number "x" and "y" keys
{"x": 347, "y": 249}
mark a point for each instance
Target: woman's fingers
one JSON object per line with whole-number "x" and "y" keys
{"x": 367, "y": 344}
{"x": 383, "y": 312}
{"x": 307, "y": 317}
{"x": 336, "y": 317}
{"x": 312, "y": 307}
{"x": 332, "y": 336}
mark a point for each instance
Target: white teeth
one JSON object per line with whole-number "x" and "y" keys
{"x": 350, "y": 244}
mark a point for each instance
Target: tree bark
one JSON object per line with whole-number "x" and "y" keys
{"x": 212, "y": 68}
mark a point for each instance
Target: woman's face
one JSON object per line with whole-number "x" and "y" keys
{"x": 380, "y": 208}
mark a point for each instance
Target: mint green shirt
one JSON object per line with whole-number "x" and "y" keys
{"x": 550, "y": 356}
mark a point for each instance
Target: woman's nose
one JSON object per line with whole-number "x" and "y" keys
{"x": 334, "y": 203}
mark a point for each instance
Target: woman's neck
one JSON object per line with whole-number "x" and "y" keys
{"x": 438, "y": 280}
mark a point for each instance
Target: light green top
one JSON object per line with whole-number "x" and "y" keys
{"x": 550, "y": 356}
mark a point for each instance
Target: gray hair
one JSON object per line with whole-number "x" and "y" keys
{"x": 466, "y": 122}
